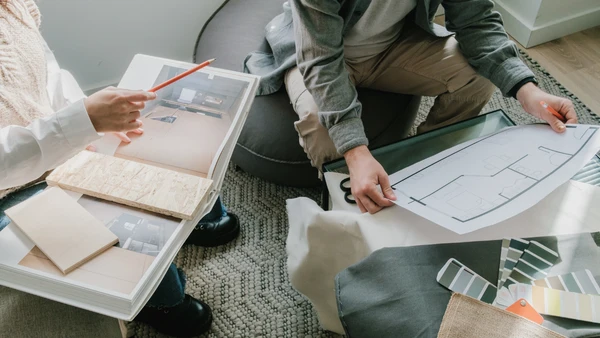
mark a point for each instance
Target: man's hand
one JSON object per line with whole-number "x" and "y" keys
{"x": 365, "y": 174}
{"x": 117, "y": 110}
{"x": 530, "y": 96}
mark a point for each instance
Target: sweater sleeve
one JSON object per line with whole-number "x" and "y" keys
{"x": 26, "y": 153}
{"x": 318, "y": 29}
{"x": 34, "y": 11}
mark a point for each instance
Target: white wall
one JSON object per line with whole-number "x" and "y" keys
{"x": 532, "y": 22}
{"x": 526, "y": 10}
{"x": 553, "y": 10}
{"x": 96, "y": 39}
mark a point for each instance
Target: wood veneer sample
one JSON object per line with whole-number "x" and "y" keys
{"x": 116, "y": 269}
{"x": 61, "y": 228}
{"x": 131, "y": 183}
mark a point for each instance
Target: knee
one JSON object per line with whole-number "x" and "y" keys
{"x": 477, "y": 87}
{"x": 468, "y": 80}
{"x": 308, "y": 117}
{"x": 315, "y": 140}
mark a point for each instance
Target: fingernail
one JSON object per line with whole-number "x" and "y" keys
{"x": 561, "y": 127}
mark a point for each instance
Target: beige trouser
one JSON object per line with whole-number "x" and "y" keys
{"x": 417, "y": 64}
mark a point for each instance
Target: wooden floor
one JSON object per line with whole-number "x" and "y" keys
{"x": 574, "y": 61}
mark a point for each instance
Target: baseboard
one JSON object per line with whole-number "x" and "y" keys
{"x": 531, "y": 36}
{"x": 565, "y": 26}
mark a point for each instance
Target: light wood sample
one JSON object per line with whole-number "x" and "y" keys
{"x": 131, "y": 183}
{"x": 61, "y": 228}
{"x": 116, "y": 269}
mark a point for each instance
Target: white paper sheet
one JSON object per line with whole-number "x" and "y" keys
{"x": 485, "y": 181}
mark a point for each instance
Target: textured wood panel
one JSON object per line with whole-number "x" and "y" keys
{"x": 63, "y": 230}
{"x": 131, "y": 183}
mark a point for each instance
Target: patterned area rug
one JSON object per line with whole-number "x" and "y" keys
{"x": 246, "y": 282}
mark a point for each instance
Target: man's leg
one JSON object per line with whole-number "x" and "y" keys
{"x": 314, "y": 138}
{"x": 421, "y": 64}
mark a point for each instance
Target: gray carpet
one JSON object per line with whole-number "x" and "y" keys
{"x": 246, "y": 282}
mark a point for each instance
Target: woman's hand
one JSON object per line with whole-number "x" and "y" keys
{"x": 123, "y": 136}
{"x": 117, "y": 110}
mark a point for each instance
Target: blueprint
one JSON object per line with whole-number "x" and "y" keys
{"x": 485, "y": 181}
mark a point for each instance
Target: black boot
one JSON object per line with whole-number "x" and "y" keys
{"x": 215, "y": 233}
{"x": 191, "y": 318}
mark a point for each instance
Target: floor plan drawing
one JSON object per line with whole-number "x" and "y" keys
{"x": 484, "y": 181}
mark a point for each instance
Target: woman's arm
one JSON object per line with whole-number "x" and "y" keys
{"x": 26, "y": 153}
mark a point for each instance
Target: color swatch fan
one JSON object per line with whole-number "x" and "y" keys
{"x": 534, "y": 263}
{"x": 555, "y": 302}
{"x": 458, "y": 278}
{"x": 524, "y": 286}
{"x": 512, "y": 249}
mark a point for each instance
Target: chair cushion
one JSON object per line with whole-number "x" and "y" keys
{"x": 268, "y": 146}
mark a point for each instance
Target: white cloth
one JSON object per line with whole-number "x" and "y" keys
{"x": 27, "y": 152}
{"x": 377, "y": 29}
{"x": 320, "y": 243}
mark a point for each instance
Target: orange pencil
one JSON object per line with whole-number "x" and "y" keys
{"x": 182, "y": 75}
{"x": 554, "y": 112}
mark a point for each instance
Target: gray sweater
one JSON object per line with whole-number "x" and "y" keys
{"x": 377, "y": 29}
{"x": 310, "y": 33}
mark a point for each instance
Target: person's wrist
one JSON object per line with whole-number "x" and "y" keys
{"x": 356, "y": 153}
{"x": 525, "y": 91}
{"x": 90, "y": 111}
{"x": 513, "y": 91}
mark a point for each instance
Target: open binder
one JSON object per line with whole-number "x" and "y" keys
{"x": 192, "y": 127}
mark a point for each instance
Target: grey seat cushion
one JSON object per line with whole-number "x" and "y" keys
{"x": 268, "y": 146}
{"x": 394, "y": 292}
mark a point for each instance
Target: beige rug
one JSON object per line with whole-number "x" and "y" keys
{"x": 246, "y": 282}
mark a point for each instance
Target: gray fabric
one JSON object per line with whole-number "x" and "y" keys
{"x": 394, "y": 292}
{"x": 366, "y": 40}
{"x": 268, "y": 146}
{"x": 309, "y": 33}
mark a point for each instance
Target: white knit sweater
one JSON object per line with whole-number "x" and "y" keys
{"x": 23, "y": 73}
